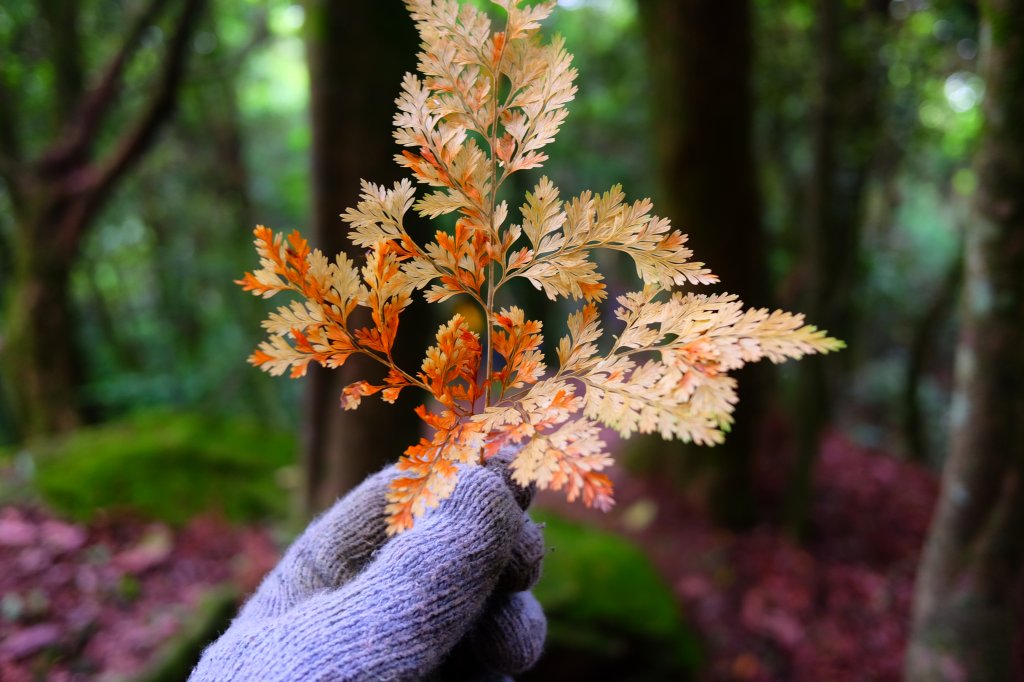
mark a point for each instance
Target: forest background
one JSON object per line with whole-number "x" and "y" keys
{"x": 827, "y": 156}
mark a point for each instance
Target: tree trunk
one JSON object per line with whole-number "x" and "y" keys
{"x": 38, "y": 350}
{"x": 358, "y": 52}
{"x": 844, "y": 137}
{"x": 926, "y": 330}
{"x": 970, "y": 578}
{"x": 57, "y": 196}
{"x": 700, "y": 55}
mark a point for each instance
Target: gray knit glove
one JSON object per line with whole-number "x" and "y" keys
{"x": 445, "y": 600}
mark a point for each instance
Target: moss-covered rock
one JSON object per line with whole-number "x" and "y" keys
{"x": 610, "y": 614}
{"x": 167, "y": 466}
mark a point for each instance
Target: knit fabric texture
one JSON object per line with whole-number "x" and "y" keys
{"x": 446, "y": 600}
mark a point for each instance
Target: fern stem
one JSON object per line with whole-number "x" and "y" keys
{"x": 492, "y": 232}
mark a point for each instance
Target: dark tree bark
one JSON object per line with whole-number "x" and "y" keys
{"x": 700, "y": 55}
{"x": 971, "y": 575}
{"x": 358, "y": 52}
{"x": 845, "y": 134}
{"x": 57, "y": 196}
{"x": 938, "y": 311}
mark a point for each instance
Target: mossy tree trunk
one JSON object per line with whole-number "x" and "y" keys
{"x": 700, "y": 56}
{"x": 358, "y": 52}
{"x": 57, "y": 194}
{"x": 971, "y": 575}
{"x": 38, "y": 351}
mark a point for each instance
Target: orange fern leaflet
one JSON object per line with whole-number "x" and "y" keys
{"x": 484, "y": 106}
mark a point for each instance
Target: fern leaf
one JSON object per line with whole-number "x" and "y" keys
{"x": 569, "y": 457}
{"x": 518, "y": 342}
{"x": 577, "y": 348}
{"x": 449, "y": 369}
{"x": 485, "y": 104}
{"x": 429, "y": 468}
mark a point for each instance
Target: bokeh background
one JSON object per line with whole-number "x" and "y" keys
{"x": 828, "y": 156}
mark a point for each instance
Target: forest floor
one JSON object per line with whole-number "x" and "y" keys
{"x": 767, "y": 608}
{"x": 99, "y": 601}
{"x": 772, "y": 610}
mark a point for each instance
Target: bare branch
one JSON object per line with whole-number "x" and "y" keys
{"x": 94, "y": 184}
{"x": 81, "y": 129}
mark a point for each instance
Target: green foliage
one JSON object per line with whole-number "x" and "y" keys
{"x": 922, "y": 58}
{"x": 158, "y": 324}
{"x": 608, "y": 142}
{"x": 603, "y": 598}
{"x": 168, "y": 466}
{"x": 156, "y": 320}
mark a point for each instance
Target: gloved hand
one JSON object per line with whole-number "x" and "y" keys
{"x": 444, "y": 600}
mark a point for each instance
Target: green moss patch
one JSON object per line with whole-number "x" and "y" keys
{"x": 167, "y": 466}
{"x": 608, "y": 610}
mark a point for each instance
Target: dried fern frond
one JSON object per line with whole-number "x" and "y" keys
{"x": 484, "y": 105}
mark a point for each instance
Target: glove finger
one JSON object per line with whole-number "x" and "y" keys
{"x": 500, "y": 463}
{"x": 509, "y": 638}
{"x": 423, "y": 589}
{"x": 524, "y": 564}
{"x": 333, "y": 548}
{"x": 347, "y": 535}
{"x": 339, "y": 543}
{"x": 354, "y": 528}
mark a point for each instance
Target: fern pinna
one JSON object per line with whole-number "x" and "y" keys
{"x": 484, "y": 106}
